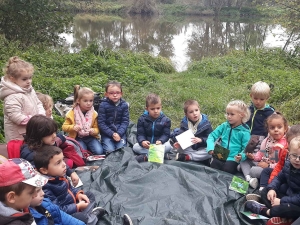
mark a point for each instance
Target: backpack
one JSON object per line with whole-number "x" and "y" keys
{"x": 14, "y": 148}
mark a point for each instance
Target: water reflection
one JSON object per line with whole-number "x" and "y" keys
{"x": 182, "y": 42}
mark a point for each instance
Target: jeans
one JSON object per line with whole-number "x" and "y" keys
{"x": 91, "y": 143}
{"x": 265, "y": 176}
{"x": 110, "y": 145}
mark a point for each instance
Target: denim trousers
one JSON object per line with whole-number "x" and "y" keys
{"x": 91, "y": 143}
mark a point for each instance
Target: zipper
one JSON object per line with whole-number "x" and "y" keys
{"x": 254, "y": 113}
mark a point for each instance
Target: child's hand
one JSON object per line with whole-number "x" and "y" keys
{"x": 271, "y": 195}
{"x": 74, "y": 178}
{"x": 83, "y": 197}
{"x": 176, "y": 145}
{"x": 238, "y": 157}
{"x": 263, "y": 164}
{"x": 82, "y": 205}
{"x": 77, "y": 128}
{"x": 196, "y": 140}
{"x": 211, "y": 152}
{"x": 146, "y": 144}
{"x": 92, "y": 132}
{"x": 249, "y": 155}
{"x": 158, "y": 143}
{"x": 275, "y": 202}
{"x": 116, "y": 137}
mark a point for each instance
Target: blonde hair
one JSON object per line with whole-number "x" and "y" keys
{"x": 243, "y": 107}
{"x": 260, "y": 89}
{"x": 79, "y": 92}
{"x": 46, "y": 100}
{"x": 295, "y": 142}
{"x": 188, "y": 103}
{"x": 15, "y": 67}
{"x": 152, "y": 99}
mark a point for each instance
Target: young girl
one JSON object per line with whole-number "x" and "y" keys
{"x": 113, "y": 118}
{"x": 234, "y": 134}
{"x": 270, "y": 150}
{"x": 20, "y": 100}
{"x": 81, "y": 121}
{"x": 47, "y": 102}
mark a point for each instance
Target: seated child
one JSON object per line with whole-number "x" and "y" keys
{"x": 81, "y": 121}
{"x": 47, "y": 102}
{"x": 270, "y": 150}
{"x": 281, "y": 197}
{"x": 113, "y": 118}
{"x": 49, "y": 161}
{"x": 18, "y": 183}
{"x": 234, "y": 134}
{"x": 201, "y": 127}
{"x": 153, "y": 127}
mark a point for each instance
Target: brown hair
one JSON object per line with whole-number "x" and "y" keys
{"x": 113, "y": 83}
{"x": 46, "y": 100}
{"x": 44, "y": 155}
{"x": 79, "y": 92}
{"x": 293, "y": 131}
{"x": 17, "y": 188}
{"x": 16, "y": 66}
{"x": 276, "y": 115}
{"x": 152, "y": 99}
{"x": 188, "y": 103}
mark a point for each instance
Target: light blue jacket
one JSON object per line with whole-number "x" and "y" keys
{"x": 234, "y": 139}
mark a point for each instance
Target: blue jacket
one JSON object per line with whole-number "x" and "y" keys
{"x": 62, "y": 193}
{"x": 59, "y": 217}
{"x": 290, "y": 176}
{"x": 235, "y": 139}
{"x": 203, "y": 130}
{"x": 153, "y": 130}
{"x": 258, "y": 118}
{"x": 113, "y": 119}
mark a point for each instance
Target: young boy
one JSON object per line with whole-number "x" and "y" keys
{"x": 282, "y": 196}
{"x": 50, "y": 162}
{"x": 18, "y": 183}
{"x": 201, "y": 127}
{"x": 260, "y": 111}
{"x": 153, "y": 127}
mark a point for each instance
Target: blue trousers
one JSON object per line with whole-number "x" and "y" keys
{"x": 91, "y": 143}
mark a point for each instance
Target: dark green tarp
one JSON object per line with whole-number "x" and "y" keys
{"x": 174, "y": 193}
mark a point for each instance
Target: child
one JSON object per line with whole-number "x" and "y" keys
{"x": 270, "y": 150}
{"x": 201, "y": 127}
{"x": 20, "y": 100}
{"x": 153, "y": 127}
{"x": 234, "y": 134}
{"x": 81, "y": 121}
{"x": 49, "y": 161}
{"x": 47, "y": 102}
{"x": 18, "y": 182}
{"x": 113, "y": 118}
{"x": 281, "y": 197}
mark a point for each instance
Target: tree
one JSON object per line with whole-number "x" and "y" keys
{"x": 143, "y": 7}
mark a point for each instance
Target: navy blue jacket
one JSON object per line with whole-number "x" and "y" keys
{"x": 62, "y": 193}
{"x": 290, "y": 176}
{"x": 59, "y": 217}
{"x": 258, "y": 118}
{"x": 153, "y": 130}
{"x": 113, "y": 119}
{"x": 204, "y": 128}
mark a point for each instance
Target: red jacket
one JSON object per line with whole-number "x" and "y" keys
{"x": 280, "y": 163}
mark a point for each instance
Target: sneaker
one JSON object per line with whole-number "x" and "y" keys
{"x": 127, "y": 220}
{"x": 141, "y": 158}
{"x": 167, "y": 156}
{"x": 254, "y": 197}
{"x": 278, "y": 220}
{"x": 99, "y": 212}
{"x": 180, "y": 157}
{"x": 253, "y": 182}
{"x": 254, "y": 206}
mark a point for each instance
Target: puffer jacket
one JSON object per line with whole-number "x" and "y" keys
{"x": 10, "y": 216}
{"x": 62, "y": 193}
{"x": 113, "y": 118}
{"x": 235, "y": 139}
{"x": 19, "y": 104}
{"x": 258, "y": 118}
{"x": 59, "y": 217}
{"x": 204, "y": 128}
{"x": 290, "y": 176}
{"x": 153, "y": 130}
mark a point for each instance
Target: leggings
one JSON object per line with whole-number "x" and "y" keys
{"x": 227, "y": 166}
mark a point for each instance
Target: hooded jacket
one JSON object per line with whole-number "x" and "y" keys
{"x": 152, "y": 130}
{"x": 19, "y": 104}
{"x": 235, "y": 139}
{"x": 10, "y": 216}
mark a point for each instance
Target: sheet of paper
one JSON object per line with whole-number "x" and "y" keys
{"x": 79, "y": 182}
{"x": 185, "y": 139}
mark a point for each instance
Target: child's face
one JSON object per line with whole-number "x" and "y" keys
{"x": 38, "y": 199}
{"x": 154, "y": 110}
{"x": 114, "y": 93}
{"x": 86, "y": 102}
{"x": 57, "y": 166}
{"x": 193, "y": 113}
{"x": 24, "y": 81}
{"x": 258, "y": 101}
{"x": 234, "y": 116}
{"x": 294, "y": 155}
{"x": 50, "y": 139}
{"x": 23, "y": 200}
{"x": 49, "y": 111}
{"x": 276, "y": 128}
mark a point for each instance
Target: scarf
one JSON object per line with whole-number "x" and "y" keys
{"x": 194, "y": 127}
{"x": 84, "y": 121}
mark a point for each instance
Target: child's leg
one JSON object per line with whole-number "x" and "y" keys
{"x": 93, "y": 145}
{"x": 168, "y": 146}
{"x": 81, "y": 142}
{"x": 264, "y": 198}
{"x": 246, "y": 166}
{"x": 197, "y": 155}
{"x": 264, "y": 176}
{"x": 255, "y": 171}
{"x": 216, "y": 164}
{"x": 285, "y": 210}
{"x": 121, "y": 143}
{"x": 107, "y": 144}
{"x": 230, "y": 167}
{"x": 139, "y": 149}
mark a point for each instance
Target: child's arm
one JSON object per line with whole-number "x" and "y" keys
{"x": 213, "y": 136}
{"x": 140, "y": 133}
{"x": 102, "y": 118}
{"x": 39, "y": 105}
{"x": 165, "y": 132}
{"x": 68, "y": 125}
{"x": 245, "y": 139}
{"x": 279, "y": 165}
{"x": 95, "y": 127}
{"x": 67, "y": 219}
{"x": 203, "y": 137}
{"x": 125, "y": 120}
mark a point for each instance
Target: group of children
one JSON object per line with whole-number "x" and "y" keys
{"x": 255, "y": 135}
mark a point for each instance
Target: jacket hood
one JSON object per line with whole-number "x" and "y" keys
{"x": 204, "y": 119}
{"x": 7, "y": 211}
{"x": 146, "y": 115}
{"x": 266, "y": 108}
{"x": 7, "y": 88}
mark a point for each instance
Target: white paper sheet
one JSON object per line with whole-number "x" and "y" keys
{"x": 185, "y": 139}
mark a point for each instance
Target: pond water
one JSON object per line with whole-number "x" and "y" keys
{"x": 183, "y": 41}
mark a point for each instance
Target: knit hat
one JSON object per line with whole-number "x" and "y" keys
{"x": 18, "y": 170}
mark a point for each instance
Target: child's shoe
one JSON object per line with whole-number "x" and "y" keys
{"x": 253, "y": 182}
{"x": 127, "y": 220}
{"x": 279, "y": 221}
{"x": 255, "y": 206}
{"x": 254, "y": 197}
{"x": 182, "y": 157}
{"x": 99, "y": 212}
{"x": 141, "y": 158}
{"x": 167, "y": 156}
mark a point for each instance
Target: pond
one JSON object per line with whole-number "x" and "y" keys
{"x": 181, "y": 41}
